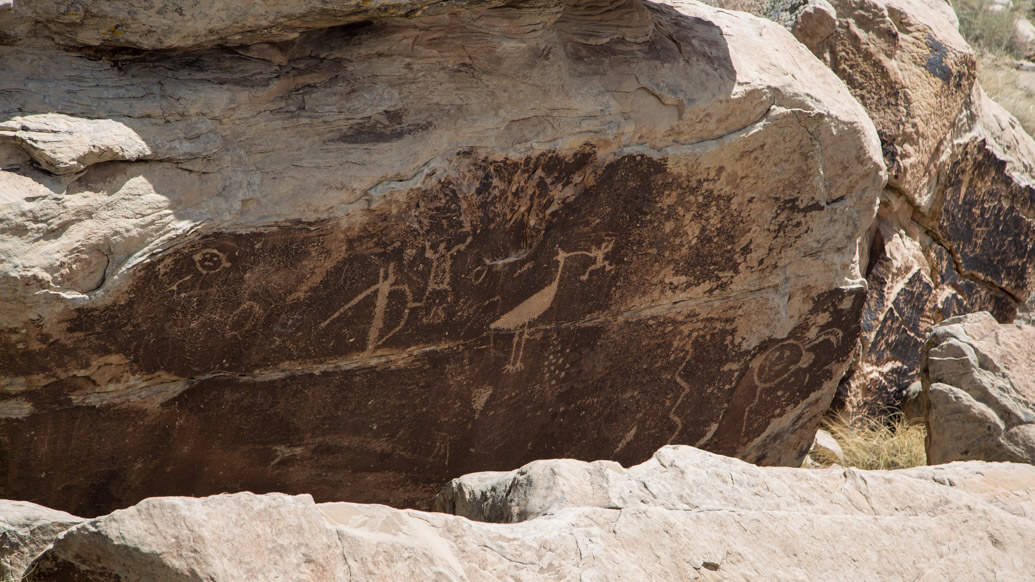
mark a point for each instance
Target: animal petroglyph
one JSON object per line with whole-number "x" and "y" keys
{"x": 532, "y": 308}
{"x": 386, "y": 284}
{"x": 685, "y": 386}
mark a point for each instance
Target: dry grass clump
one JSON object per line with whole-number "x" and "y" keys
{"x": 990, "y": 32}
{"x": 875, "y": 443}
{"x": 1012, "y": 88}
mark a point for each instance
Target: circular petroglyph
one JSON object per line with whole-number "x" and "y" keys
{"x": 210, "y": 260}
{"x": 778, "y": 361}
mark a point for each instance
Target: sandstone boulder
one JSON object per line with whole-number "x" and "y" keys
{"x": 1023, "y": 38}
{"x": 225, "y": 537}
{"x": 376, "y": 256}
{"x": 979, "y": 390}
{"x": 955, "y": 232}
{"x": 26, "y": 529}
{"x": 683, "y": 515}
{"x": 906, "y": 62}
{"x": 825, "y": 446}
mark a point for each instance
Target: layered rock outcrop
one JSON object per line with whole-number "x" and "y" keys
{"x": 979, "y": 390}
{"x": 357, "y": 261}
{"x": 683, "y": 515}
{"x": 955, "y": 232}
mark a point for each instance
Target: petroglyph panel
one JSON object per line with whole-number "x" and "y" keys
{"x": 516, "y": 309}
{"x": 367, "y": 258}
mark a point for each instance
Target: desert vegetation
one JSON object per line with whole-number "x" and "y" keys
{"x": 874, "y": 443}
{"x": 1006, "y": 75}
{"x": 988, "y": 24}
{"x": 1011, "y": 87}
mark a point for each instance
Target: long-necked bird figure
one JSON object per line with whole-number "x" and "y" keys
{"x": 532, "y": 308}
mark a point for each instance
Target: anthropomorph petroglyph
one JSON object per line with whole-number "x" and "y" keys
{"x": 532, "y": 308}
{"x": 770, "y": 369}
{"x": 210, "y": 261}
{"x": 383, "y": 288}
{"x": 440, "y": 273}
{"x": 441, "y": 450}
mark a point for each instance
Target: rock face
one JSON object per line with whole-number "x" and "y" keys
{"x": 979, "y": 390}
{"x": 227, "y": 537}
{"x": 955, "y": 232}
{"x": 361, "y": 260}
{"x": 975, "y": 253}
{"x": 26, "y": 529}
{"x": 683, "y": 515}
{"x": 168, "y": 24}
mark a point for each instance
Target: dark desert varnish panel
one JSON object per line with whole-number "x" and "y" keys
{"x": 500, "y": 316}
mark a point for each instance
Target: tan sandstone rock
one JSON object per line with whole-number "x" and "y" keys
{"x": 225, "y": 537}
{"x": 374, "y": 257}
{"x": 905, "y": 61}
{"x": 683, "y": 515}
{"x": 26, "y": 529}
{"x": 171, "y": 24}
{"x": 955, "y": 232}
{"x": 979, "y": 390}
{"x": 826, "y": 445}
{"x": 1023, "y": 38}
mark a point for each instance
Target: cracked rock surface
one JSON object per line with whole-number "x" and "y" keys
{"x": 683, "y": 515}
{"x": 955, "y": 232}
{"x": 378, "y": 251}
{"x": 26, "y": 529}
{"x": 979, "y": 390}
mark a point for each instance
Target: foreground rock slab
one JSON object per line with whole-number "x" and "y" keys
{"x": 361, "y": 260}
{"x": 979, "y": 390}
{"x": 26, "y": 529}
{"x": 683, "y": 515}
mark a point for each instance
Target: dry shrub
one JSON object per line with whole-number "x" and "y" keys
{"x": 990, "y": 33}
{"x": 875, "y": 443}
{"x": 985, "y": 29}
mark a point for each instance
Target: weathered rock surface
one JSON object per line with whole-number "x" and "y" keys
{"x": 683, "y": 515}
{"x": 1023, "y": 38}
{"x": 169, "y": 24}
{"x": 979, "y": 390}
{"x": 974, "y": 252}
{"x": 26, "y": 529}
{"x": 825, "y": 447}
{"x": 377, "y": 256}
{"x": 905, "y": 61}
{"x": 226, "y": 537}
{"x": 956, "y": 229}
